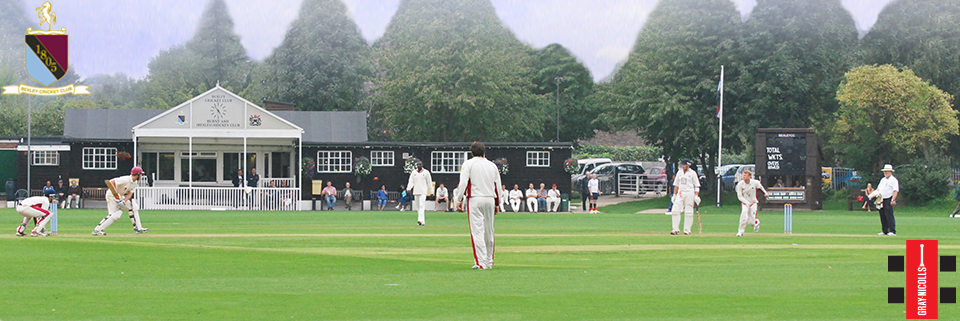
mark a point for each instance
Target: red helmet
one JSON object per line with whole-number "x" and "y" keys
{"x": 136, "y": 171}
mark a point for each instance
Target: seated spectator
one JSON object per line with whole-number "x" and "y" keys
{"x": 531, "y": 199}
{"x": 515, "y": 198}
{"x": 347, "y": 197}
{"x": 779, "y": 183}
{"x": 62, "y": 194}
{"x": 442, "y": 196}
{"x": 542, "y": 197}
{"x": 553, "y": 199}
{"x": 403, "y": 199}
{"x": 330, "y": 195}
{"x": 503, "y": 198}
{"x": 382, "y": 197}
{"x": 48, "y": 190}
{"x": 74, "y": 193}
{"x": 796, "y": 183}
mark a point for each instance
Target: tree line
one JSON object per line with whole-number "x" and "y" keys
{"x": 449, "y": 70}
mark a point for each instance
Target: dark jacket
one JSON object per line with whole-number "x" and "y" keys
{"x": 237, "y": 180}
{"x": 253, "y": 180}
{"x": 75, "y": 190}
{"x": 584, "y": 185}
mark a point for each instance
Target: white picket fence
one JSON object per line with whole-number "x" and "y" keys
{"x": 218, "y": 198}
{"x": 277, "y": 182}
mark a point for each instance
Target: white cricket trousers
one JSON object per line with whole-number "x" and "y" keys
{"x": 687, "y": 200}
{"x": 747, "y": 214}
{"x": 553, "y": 204}
{"x": 420, "y": 202}
{"x": 114, "y": 210}
{"x": 30, "y": 213}
{"x": 532, "y": 205}
{"x": 515, "y": 205}
{"x": 480, "y": 212}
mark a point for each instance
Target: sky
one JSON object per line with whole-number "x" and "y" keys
{"x": 121, "y": 36}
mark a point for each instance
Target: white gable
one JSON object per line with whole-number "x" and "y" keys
{"x": 217, "y": 113}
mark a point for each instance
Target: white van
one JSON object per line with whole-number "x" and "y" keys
{"x": 589, "y": 164}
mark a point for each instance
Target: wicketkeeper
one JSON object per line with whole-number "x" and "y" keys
{"x": 120, "y": 198}
{"x": 747, "y": 193}
{"x": 34, "y": 208}
{"x": 686, "y": 187}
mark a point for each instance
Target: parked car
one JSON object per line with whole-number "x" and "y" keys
{"x": 728, "y": 175}
{"x": 606, "y": 174}
{"x": 739, "y": 175}
{"x": 588, "y": 164}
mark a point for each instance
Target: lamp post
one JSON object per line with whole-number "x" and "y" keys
{"x": 559, "y": 80}
{"x": 29, "y": 152}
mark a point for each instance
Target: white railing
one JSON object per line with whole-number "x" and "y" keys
{"x": 277, "y": 182}
{"x": 218, "y": 198}
{"x": 640, "y": 184}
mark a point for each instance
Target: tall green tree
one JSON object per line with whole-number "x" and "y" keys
{"x": 214, "y": 55}
{"x": 888, "y": 116}
{"x": 451, "y": 71}
{"x": 793, "y": 55}
{"x": 13, "y": 24}
{"x": 667, "y": 87}
{"x": 576, "y": 111}
{"x": 322, "y": 63}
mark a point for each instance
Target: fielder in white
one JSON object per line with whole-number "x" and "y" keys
{"x": 747, "y": 193}
{"x": 479, "y": 187}
{"x": 120, "y": 198}
{"x": 686, "y": 190}
{"x": 420, "y": 184}
{"x": 553, "y": 199}
{"x": 532, "y": 205}
{"x": 34, "y": 208}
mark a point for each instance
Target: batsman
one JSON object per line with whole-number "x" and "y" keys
{"x": 747, "y": 193}
{"x": 120, "y": 198}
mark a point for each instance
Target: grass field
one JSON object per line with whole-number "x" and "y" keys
{"x": 380, "y": 265}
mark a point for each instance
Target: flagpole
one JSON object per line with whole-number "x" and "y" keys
{"x": 720, "y": 141}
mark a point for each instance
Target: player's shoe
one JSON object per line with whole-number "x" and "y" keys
{"x": 477, "y": 267}
{"x": 140, "y": 230}
{"x": 756, "y": 228}
{"x": 421, "y": 223}
{"x": 882, "y": 234}
{"x": 891, "y": 234}
{"x": 98, "y": 233}
{"x": 739, "y": 234}
{"x": 686, "y": 233}
{"x": 20, "y": 234}
{"x": 35, "y": 234}
{"x": 674, "y": 232}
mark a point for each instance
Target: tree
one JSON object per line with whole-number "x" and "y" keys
{"x": 322, "y": 63}
{"x": 214, "y": 55}
{"x": 888, "y": 116}
{"x": 667, "y": 87}
{"x": 113, "y": 91}
{"x": 450, "y": 71}
{"x": 576, "y": 112}
{"x": 13, "y": 24}
{"x": 793, "y": 57}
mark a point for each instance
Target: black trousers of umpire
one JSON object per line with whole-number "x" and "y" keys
{"x": 887, "y": 222}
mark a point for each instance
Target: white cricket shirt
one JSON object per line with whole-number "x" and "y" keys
{"x": 125, "y": 184}
{"x": 887, "y": 186}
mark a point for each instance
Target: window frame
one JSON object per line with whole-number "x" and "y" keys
{"x": 344, "y": 156}
{"x": 538, "y": 159}
{"x": 383, "y": 158}
{"x": 106, "y": 154}
{"x": 45, "y": 156}
{"x": 437, "y": 163}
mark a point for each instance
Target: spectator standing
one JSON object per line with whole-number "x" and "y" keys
{"x": 382, "y": 197}
{"x": 73, "y": 193}
{"x": 532, "y": 199}
{"x": 553, "y": 199}
{"x": 516, "y": 197}
{"x": 594, "y": 186}
{"x": 254, "y": 179}
{"x": 889, "y": 187}
{"x": 956, "y": 197}
{"x": 420, "y": 185}
{"x": 330, "y": 195}
{"x": 670, "y": 176}
{"x": 443, "y": 196}
{"x": 585, "y": 191}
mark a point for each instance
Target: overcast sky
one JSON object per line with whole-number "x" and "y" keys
{"x": 110, "y": 36}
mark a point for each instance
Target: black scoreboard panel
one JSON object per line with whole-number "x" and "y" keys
{"x": 786, "y": 154}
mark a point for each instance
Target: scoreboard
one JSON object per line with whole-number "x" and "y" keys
{"x": 786, "y": 154}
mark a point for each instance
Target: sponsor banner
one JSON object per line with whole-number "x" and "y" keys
{"x": 43, "y": 91}
{"x": 922, "y": 289}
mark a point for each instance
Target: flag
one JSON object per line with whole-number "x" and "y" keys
{"x": 719, "y": 103}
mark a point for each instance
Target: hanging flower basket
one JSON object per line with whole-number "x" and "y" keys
{"x": 502, "y": 165}
{"x": 362, "y": 167}
{"x": 122, "y": 156}
{"x": 308, "y": 165}
{"x": 410, "y": 165}
{"x": 571, "y": 166}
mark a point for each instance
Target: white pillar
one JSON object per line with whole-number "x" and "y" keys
{"x": 190, "y": 162}
{"x": 299, "y": 164}
{"x": 245, "y": 171}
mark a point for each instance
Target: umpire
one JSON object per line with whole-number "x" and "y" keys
{"x": 889, "y": 187}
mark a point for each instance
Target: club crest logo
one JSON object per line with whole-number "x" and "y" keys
{"x": 181, "y": 118}
{"x": 46, "y": 58}
{"x": 255, "y": 120}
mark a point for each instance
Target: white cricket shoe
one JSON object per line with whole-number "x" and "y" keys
{"x": 140, "y": 230}
{"x": 882, "y": 234}
{"x": 739, "y": 234}
{"x": 891, "y": 234}
{"x": 98, "y": 233}
{"x": 476, "y": 267}
{"x": 756, "y": 228}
